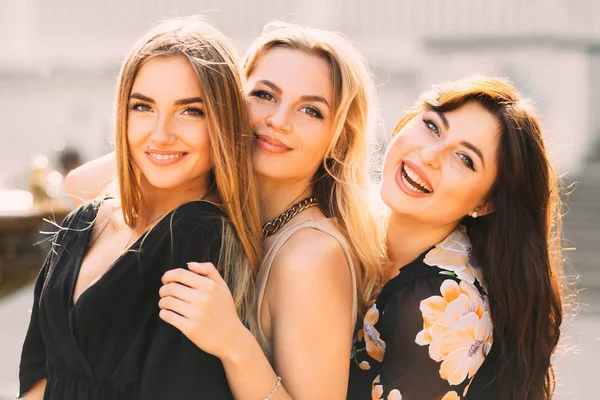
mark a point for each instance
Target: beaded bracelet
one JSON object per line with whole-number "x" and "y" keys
{"x": 274, "y": 389}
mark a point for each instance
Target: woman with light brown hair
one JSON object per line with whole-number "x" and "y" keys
{"x": 187, "y": 193}
{"x": 310, "y": 101}
{"x": 471, "y": 307}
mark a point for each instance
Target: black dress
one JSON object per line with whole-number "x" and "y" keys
{"x": 429, "y": 335}
{"x": 111, "y": 344}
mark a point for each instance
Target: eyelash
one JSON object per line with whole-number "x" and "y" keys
{"x": 428, "y": 124}
{"x": 465, "y": 159}
{"x": 315, "y": 112}
{"x": 261, "y": 95}
{"x": 309, "y": 110}
{"x": 135, "y": 106}
{"x": 197, "y": 112}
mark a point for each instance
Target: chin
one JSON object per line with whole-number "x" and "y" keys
{"x": 164, "y": 183}
{"x": 272, "y": 169}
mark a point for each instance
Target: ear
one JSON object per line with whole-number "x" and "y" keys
{"x": 485, "y": 208}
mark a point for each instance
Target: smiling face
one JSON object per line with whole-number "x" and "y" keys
{"x": 167, "y": 129}
{"x": 441, "y": 166}
{"x": 290, "y": 100}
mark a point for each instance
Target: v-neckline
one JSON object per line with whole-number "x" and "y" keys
{"x": 84, "y": 249}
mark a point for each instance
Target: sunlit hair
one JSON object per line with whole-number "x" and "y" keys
{"x": 341, "y": 182}
{"x": 232, "y": 180}
{"x": 518, "y": 245}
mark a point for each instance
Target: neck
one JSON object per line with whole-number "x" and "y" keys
{"x": 407, "y": 239}
{"x": 158, "y": 202}
{"x": 277, "y": 195}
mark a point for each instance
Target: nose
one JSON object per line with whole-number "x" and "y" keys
{"x": 163, "y": 132}
{"x": 430, "y": 155}
{"x": 280, "y": 120}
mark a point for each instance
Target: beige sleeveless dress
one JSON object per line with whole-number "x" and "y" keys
{"x": 272, "y": 246}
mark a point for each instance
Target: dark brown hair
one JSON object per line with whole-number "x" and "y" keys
{"x": 518, "y": 245}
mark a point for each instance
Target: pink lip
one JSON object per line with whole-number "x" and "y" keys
{"x": 403, "y": 186}
{"x": 164, "y": 163}
{"x": 271, "y": 144}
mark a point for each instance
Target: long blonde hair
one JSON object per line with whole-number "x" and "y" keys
{"x": 341, "y": 183}
{"x": 232, "y": 180}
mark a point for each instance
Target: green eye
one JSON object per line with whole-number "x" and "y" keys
{"x": 465, "y": 159}
{"x": 432, "y": 127}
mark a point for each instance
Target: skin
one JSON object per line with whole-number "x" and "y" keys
{"x": 442, "y": 148}
{"x": 160, "y": 125}
{"x": 310, "y": 287}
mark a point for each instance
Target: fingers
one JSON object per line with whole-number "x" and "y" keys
{"x": 179, "y": 291}
{"x": 185, "y": 309}
{"x": 206, "y": 269}
{"x": 183, "y": 324}
{"x": 185, "y": 277}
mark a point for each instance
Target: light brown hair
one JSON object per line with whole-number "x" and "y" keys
{"x": 232, "y": 179}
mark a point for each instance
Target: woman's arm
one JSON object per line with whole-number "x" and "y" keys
{"x": 37, "y": 391}
{"x": 91, "y": 179}
{"x": 309, "y": 303}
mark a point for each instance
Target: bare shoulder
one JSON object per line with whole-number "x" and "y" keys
{"x": 311, "y": 249}
{"x": 89, "y": 180}
{"x": 107, "y": 215}
{"x": 310, "y": 258}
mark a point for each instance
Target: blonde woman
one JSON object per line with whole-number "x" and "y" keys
{"x": 95, "y": 331}
{"x": 310, "y": 102}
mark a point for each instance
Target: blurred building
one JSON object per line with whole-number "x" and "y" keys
{"x": 59, "y": 60}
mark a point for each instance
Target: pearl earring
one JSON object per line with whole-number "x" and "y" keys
{"x": 474, "y": 214}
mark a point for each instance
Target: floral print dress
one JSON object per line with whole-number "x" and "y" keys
{"x": 429, "y": 335}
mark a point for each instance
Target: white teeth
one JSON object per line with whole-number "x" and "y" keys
{"x": 415, "y": 178}
{"x": 410, "y": 186}
{"x": 163, "y": 157}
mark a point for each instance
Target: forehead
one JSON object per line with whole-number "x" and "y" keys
{"x": 295, "y": 72}
{"x": 167, "y": 76}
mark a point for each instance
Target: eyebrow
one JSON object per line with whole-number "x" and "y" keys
{"x": 278, "y": 90}
{"x": 443, "y": 118}
{"x": 468, "y": 145}
{"x": 180, "y": 102}
{"x": 474, "y": 148}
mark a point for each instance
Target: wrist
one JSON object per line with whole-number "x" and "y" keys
{"x": 240, "y": 348}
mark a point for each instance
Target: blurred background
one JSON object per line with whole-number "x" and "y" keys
{"x": 58, "y": 65}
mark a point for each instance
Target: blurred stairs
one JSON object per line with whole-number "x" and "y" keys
{"x": 582, "y": 226}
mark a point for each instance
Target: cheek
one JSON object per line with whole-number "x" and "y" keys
{"x": 197, "y": 137}
{"x": 396, "y": 150}
{"x": 256, "y": 112}
{"x": 137, "y": 131}
{"x": 317, "y": 141}
{"x": 462, "y": 193}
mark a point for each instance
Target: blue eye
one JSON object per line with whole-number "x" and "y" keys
{"x": 312, "y": 111}
{"x": 432, "y": 127}
{"x": 467, "y": 161}
{"x": 262, "y": 94}
{"x": 193, "y": 112}
{"x": 141, "y": 107}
